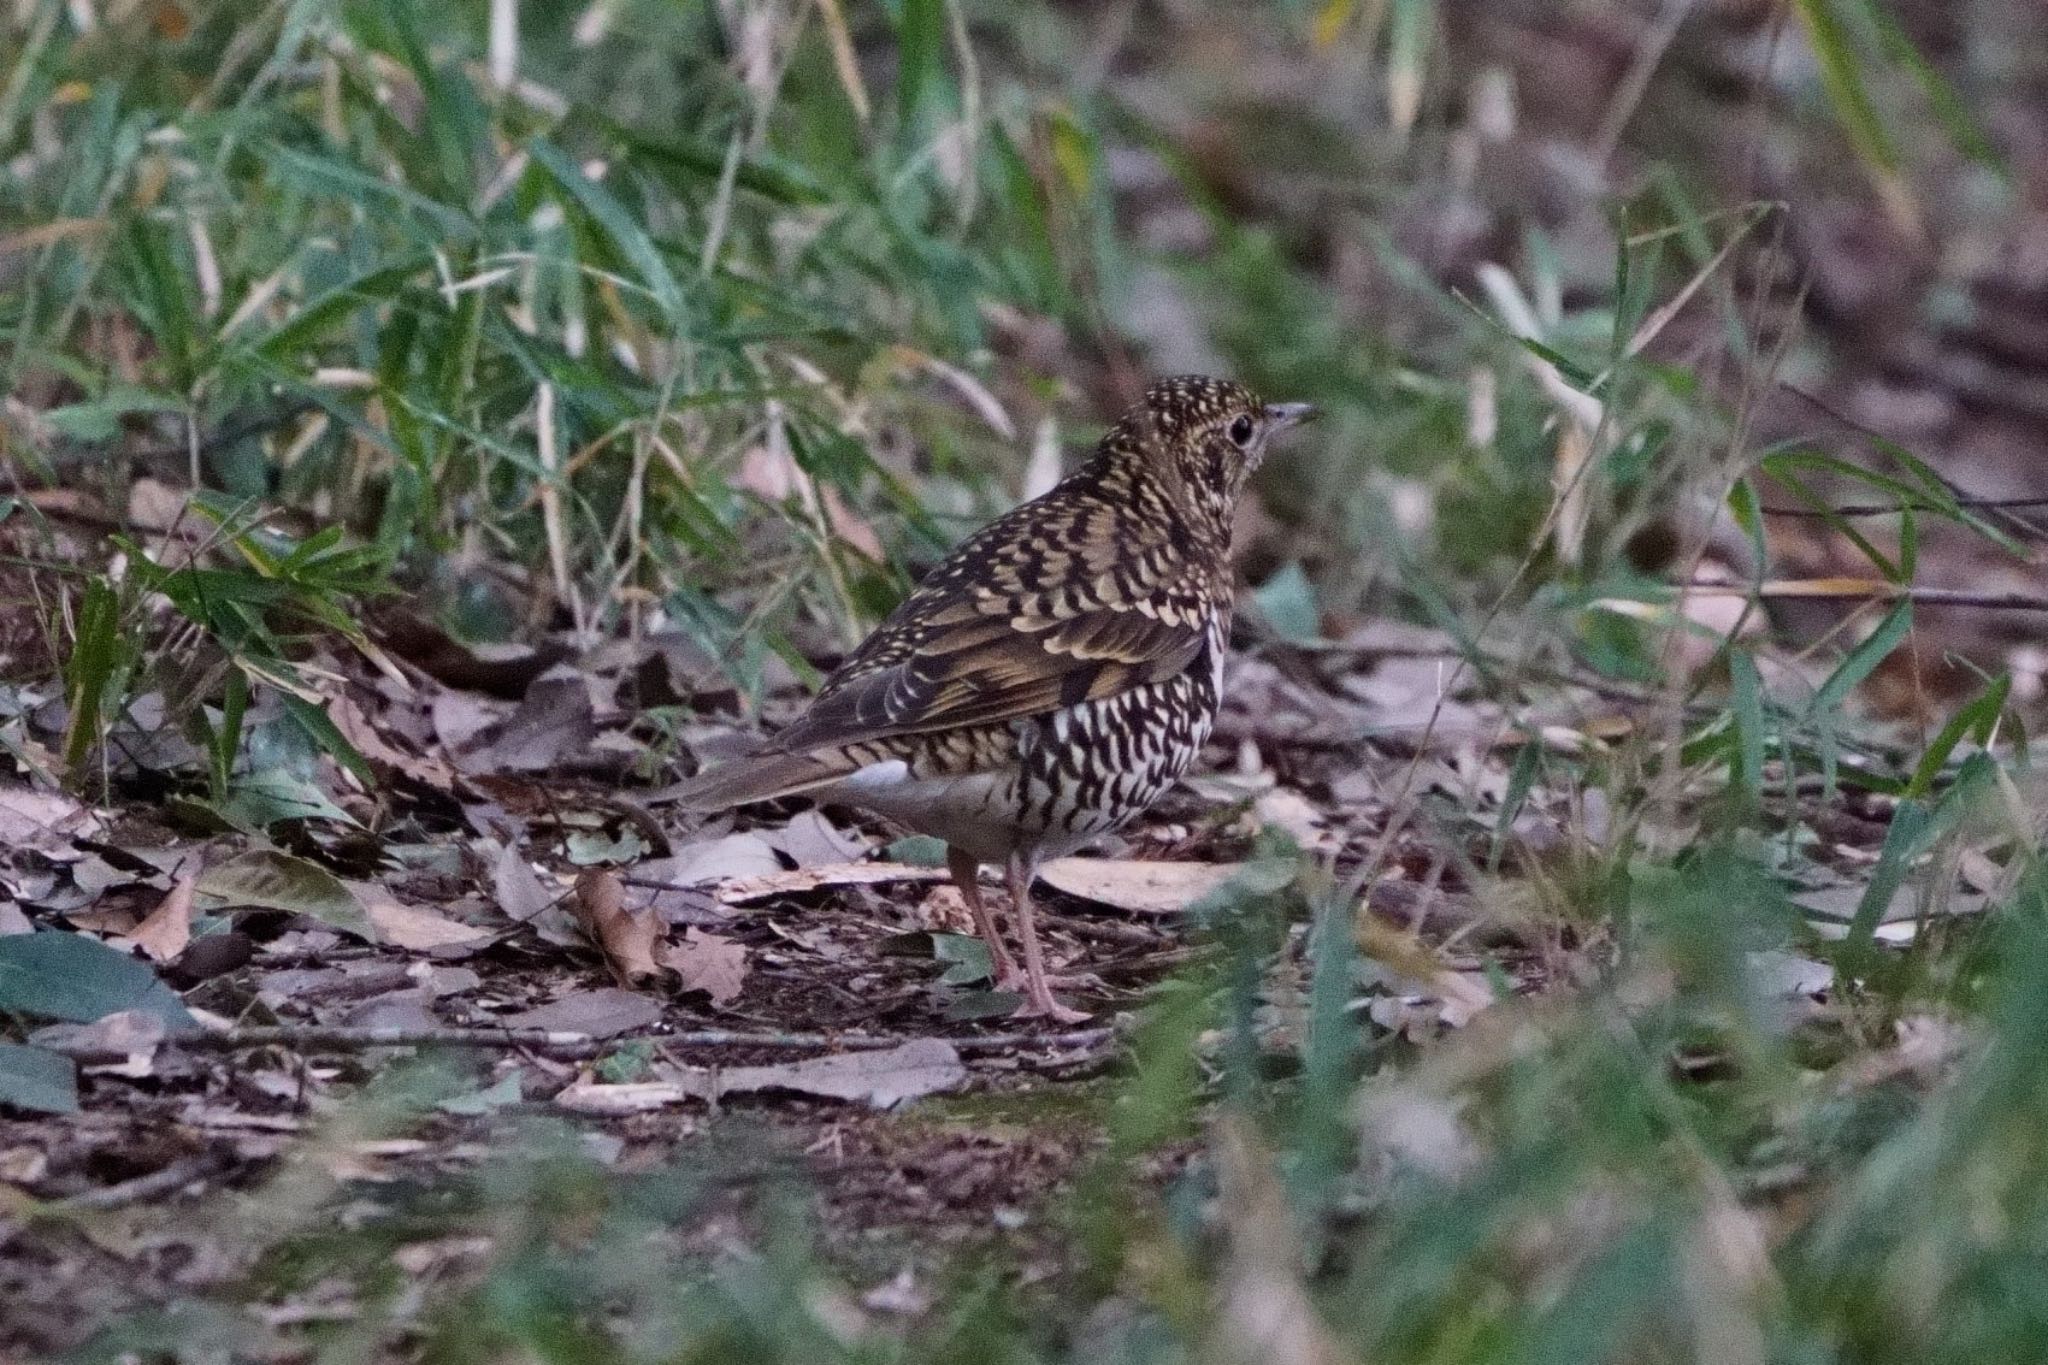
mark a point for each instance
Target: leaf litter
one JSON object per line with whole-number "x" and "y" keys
{"x": 507, "y": 900}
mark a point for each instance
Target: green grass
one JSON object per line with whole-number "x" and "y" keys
{"x": 522, "y": 356}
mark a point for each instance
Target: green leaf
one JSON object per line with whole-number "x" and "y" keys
{"x": 920, "y": 37}
{"x": 968, "y": 959}
{"x": 917, "y": 850}
{"x": 1964, "y": 128}
{"x": 1978, "y": 718}
{"x": 1841, "y": 76}
{"x": 486, "y": 1101}
{"x": 36, "y": 1078}
{"x": 623, "y": 229}
{"x": 1287, "y": 601}
{"x": 268, "y": 880}
{"x": 55, "y": 975}
{"x": 260, "y": 800}
{"x": 1747, "y": 688}
{"x": 95, "y": 650}
{"x": 431, "y": 223}
{"x": 1863, "y": 659}
{"x": 100, "y": 418}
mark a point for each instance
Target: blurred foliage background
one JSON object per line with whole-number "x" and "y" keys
{"x": 723, "y": 319}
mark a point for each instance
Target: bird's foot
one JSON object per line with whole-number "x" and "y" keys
{"x": 1050, "y": 1008}
{"x": 1018, "y": 981}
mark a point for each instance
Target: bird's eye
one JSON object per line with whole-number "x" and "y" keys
{"x": 1241, "y": 431}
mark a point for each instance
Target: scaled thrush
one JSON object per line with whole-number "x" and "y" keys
{"x": 1055, "y": 674}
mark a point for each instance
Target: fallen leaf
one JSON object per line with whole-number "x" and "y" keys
{"x": 603, "y": 1013}
{"x": 556, "y": 720}
{"x": 166, "y": 930}
{"x": 496, "y": 1097}
{"x": 45, "y": 822}
{"x": 370, "y": 742}
{"x": 880, "y": 1079}
{"x": 35, "y": 1079}
{"x": 55, "y": 975}
{"x": 706, "y": 962}
{"x": 1291, "y": 813}
{"x": 131, "y": 1035}
{"x": 747, "y": 890}
{"x": 810, "y": 840}
{"x": 520, "y": 894}
{"x": 625, "y": 937}
{"x": 270, "y": 880}
{"x": 731, "y": 857}
{"x": 1136, "y": 886}
{"x": 409, "y": 927}
{"x": 503, "y": 670}
{"x": 459, "y": 717}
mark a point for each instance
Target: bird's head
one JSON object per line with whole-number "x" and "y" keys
{"x": 1213, "y": 431}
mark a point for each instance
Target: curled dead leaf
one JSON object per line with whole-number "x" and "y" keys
{"x": 625, "y": 937}
{"x": 166, "y": 931}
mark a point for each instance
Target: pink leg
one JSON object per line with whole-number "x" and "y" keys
{"x": 966, "y": 873}
{"x": 1038, "y": 997}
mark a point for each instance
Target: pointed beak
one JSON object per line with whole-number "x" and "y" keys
{"x": 1285, "y": 415}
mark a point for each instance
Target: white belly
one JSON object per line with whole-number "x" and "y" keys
{"x": 972, "y": 811}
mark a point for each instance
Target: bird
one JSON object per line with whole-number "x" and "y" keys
{"x": 1053, "y": 675}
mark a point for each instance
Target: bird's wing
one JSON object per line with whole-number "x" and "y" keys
{"x": 960, "y": 655}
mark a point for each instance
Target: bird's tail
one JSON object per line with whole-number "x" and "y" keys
{"x": 761, "y": 777}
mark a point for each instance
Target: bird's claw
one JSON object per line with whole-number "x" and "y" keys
{"x": 1049, "y": 1008}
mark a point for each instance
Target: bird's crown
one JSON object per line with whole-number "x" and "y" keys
{"x": 1211, "y": 434}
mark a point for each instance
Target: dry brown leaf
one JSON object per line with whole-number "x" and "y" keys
{"x": 45, "y": 822}
{"x": 132, "y": 1035}
{"x": 519, "y": 893}
{"x": 728, "y": 858}
{"x": 116, "y": 921}
{"x": 810, "y": 840}
{"x": 746, "y": 890}
{"x": 627, "y": 939}
{"x": 358, "y": 730}
{"x": 772, "y": 473}
{"x": 706, "y": 962}
{"x": 603, "y": 1013}
{"x": 167, "y": 930}
{"x": 410, "y": 927}
{"x": 556, "y": 721}
{"x": 1141, "y": 888}
{"x": 1291, "y": 813}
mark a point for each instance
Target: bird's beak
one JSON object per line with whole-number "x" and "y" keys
{"x": 1285, "y": 415}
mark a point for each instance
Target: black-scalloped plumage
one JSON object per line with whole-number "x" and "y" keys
{"x": 1055, "y": 673}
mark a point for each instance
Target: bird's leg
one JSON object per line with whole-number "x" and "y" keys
{"x": 1038, "y": 997}
{"x": 966, "y": 875}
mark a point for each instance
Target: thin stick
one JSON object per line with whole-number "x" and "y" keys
{"x": 1871, "y": 590}
{"x": 1892, "y": 509}
{"x": 144, "y": 1188}
{"x": 560, "y": 1043}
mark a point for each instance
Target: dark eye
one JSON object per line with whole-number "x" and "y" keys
{"x": 1241, "y": 431}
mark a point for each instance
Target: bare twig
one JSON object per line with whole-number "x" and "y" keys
{"x": 144, "y": 1188}
{"x": 1871, "y": 590}
{"x": 560, "y": 1043}
{"x": 1892, "y": 509}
